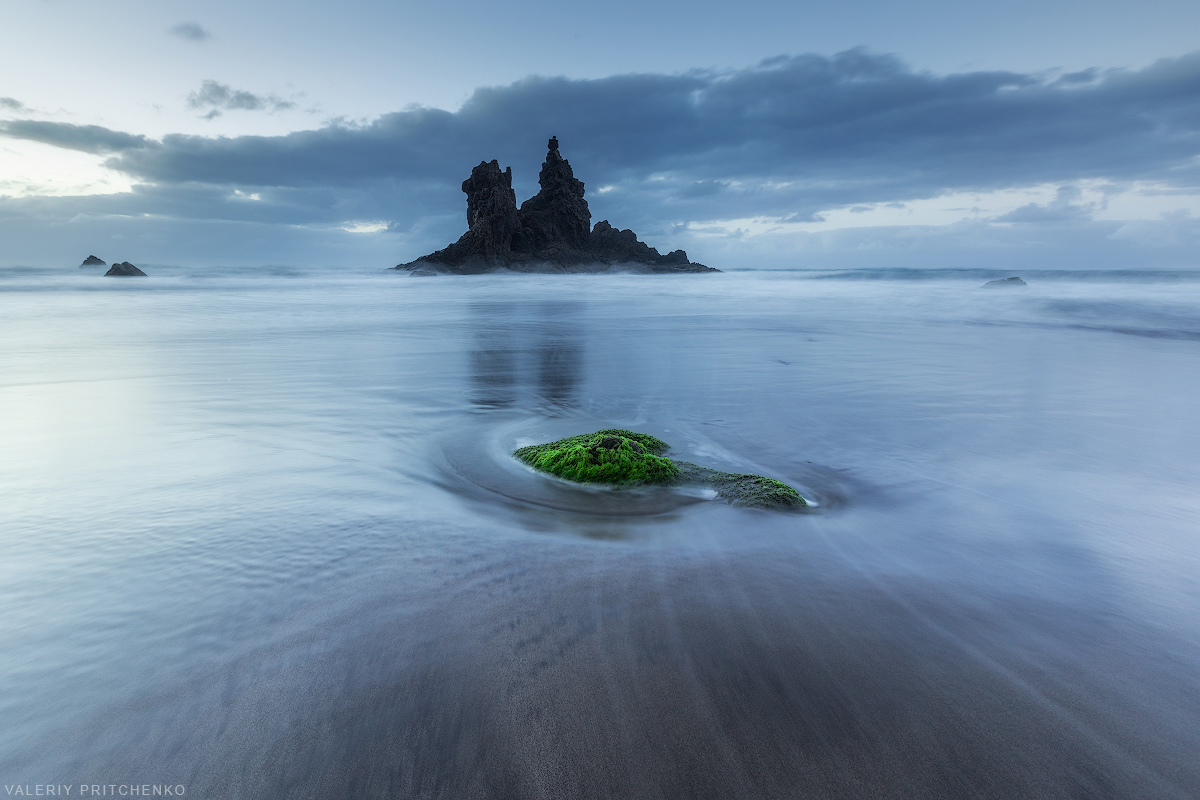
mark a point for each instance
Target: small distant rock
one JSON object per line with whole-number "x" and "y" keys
{"x": 1003, "y": 282}
{"x": 92, "y": 261}
{"x": 124, "y": 269}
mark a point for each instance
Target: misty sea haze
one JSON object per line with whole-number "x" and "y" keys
{"x": 262, "y": 536}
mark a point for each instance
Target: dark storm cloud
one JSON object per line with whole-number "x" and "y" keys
{"x": 791, "y": 136}
{"x": 866, "y": 123}
{"x": 87, "y": 138}
{"x": 219, "y": 96}
{"x": 190, "y": 31}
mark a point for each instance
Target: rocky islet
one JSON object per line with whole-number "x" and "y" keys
{"x": 124, "y": 270}
{"x": 549, "y": 232}
{"x": 1004, "y": 283}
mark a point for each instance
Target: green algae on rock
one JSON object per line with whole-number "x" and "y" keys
{"x": 612, "y": 456}
{"x": 619, "y": 457}
{"x": 748, "y": 491}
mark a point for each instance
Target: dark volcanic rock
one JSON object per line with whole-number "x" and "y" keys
{"x": 491, "y": 218}
{"x": 623, "y": 247}
{"x": 551, "y": 232}
{"x": 1004, "y": 282}
{"x": 92, "y": 261}
{"x": 124, "y": 269}
{"x": 491, "y": 208}
{"x": 557, "y": 217}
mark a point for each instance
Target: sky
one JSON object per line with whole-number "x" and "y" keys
{"x": 759, "y": 134}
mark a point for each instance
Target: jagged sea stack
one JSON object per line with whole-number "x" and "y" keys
{"x": 124, "y": 270}
{"x": 557, "y": 218}
{"x": 551, "y": 231}
{"x": 491, "y": 212}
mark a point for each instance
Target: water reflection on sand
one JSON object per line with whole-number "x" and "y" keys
{"x": 513, "y": 342}
{"x": 263, "y": 538}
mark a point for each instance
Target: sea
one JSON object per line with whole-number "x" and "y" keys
{"x": 262, "y": 536}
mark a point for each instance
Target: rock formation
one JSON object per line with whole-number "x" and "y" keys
{"x": 124, "y": 269}
{"x": 556, "y": 219}
{"x": 622, "y": 458}
{"x": 92, "y": 261}
{"x": 1004, "y": 283}
{"x": 551, "y": 231}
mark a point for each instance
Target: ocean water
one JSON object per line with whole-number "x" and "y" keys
{"x": 261, "y": 536}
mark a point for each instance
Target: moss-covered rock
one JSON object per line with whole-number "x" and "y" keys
{"x": 741, "y": 489}
{"x": 612, "y": 456}
{"x": 620, "y": 457}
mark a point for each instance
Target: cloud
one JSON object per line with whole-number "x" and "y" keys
{"x": 85, "y": 138}
{"x": 789, "y": 139}
{"x": 11, "y": 104}
{"x": 190, "y": 31}
{"x": 852, "y": 128}
{"x": 1064, "y": 208}
{"x": 1083, "y": 76}
{"x": 219, "y": 96}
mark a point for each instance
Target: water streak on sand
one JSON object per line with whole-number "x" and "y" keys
{"x": 264, "y": 537}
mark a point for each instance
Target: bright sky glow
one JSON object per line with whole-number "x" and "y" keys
{"x": 1098, "y": 200}
{"x": 365, "y": 227}
{"x": 30, "y": 169}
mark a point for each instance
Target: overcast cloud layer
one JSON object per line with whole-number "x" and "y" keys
{"x": 676, "y": 157}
